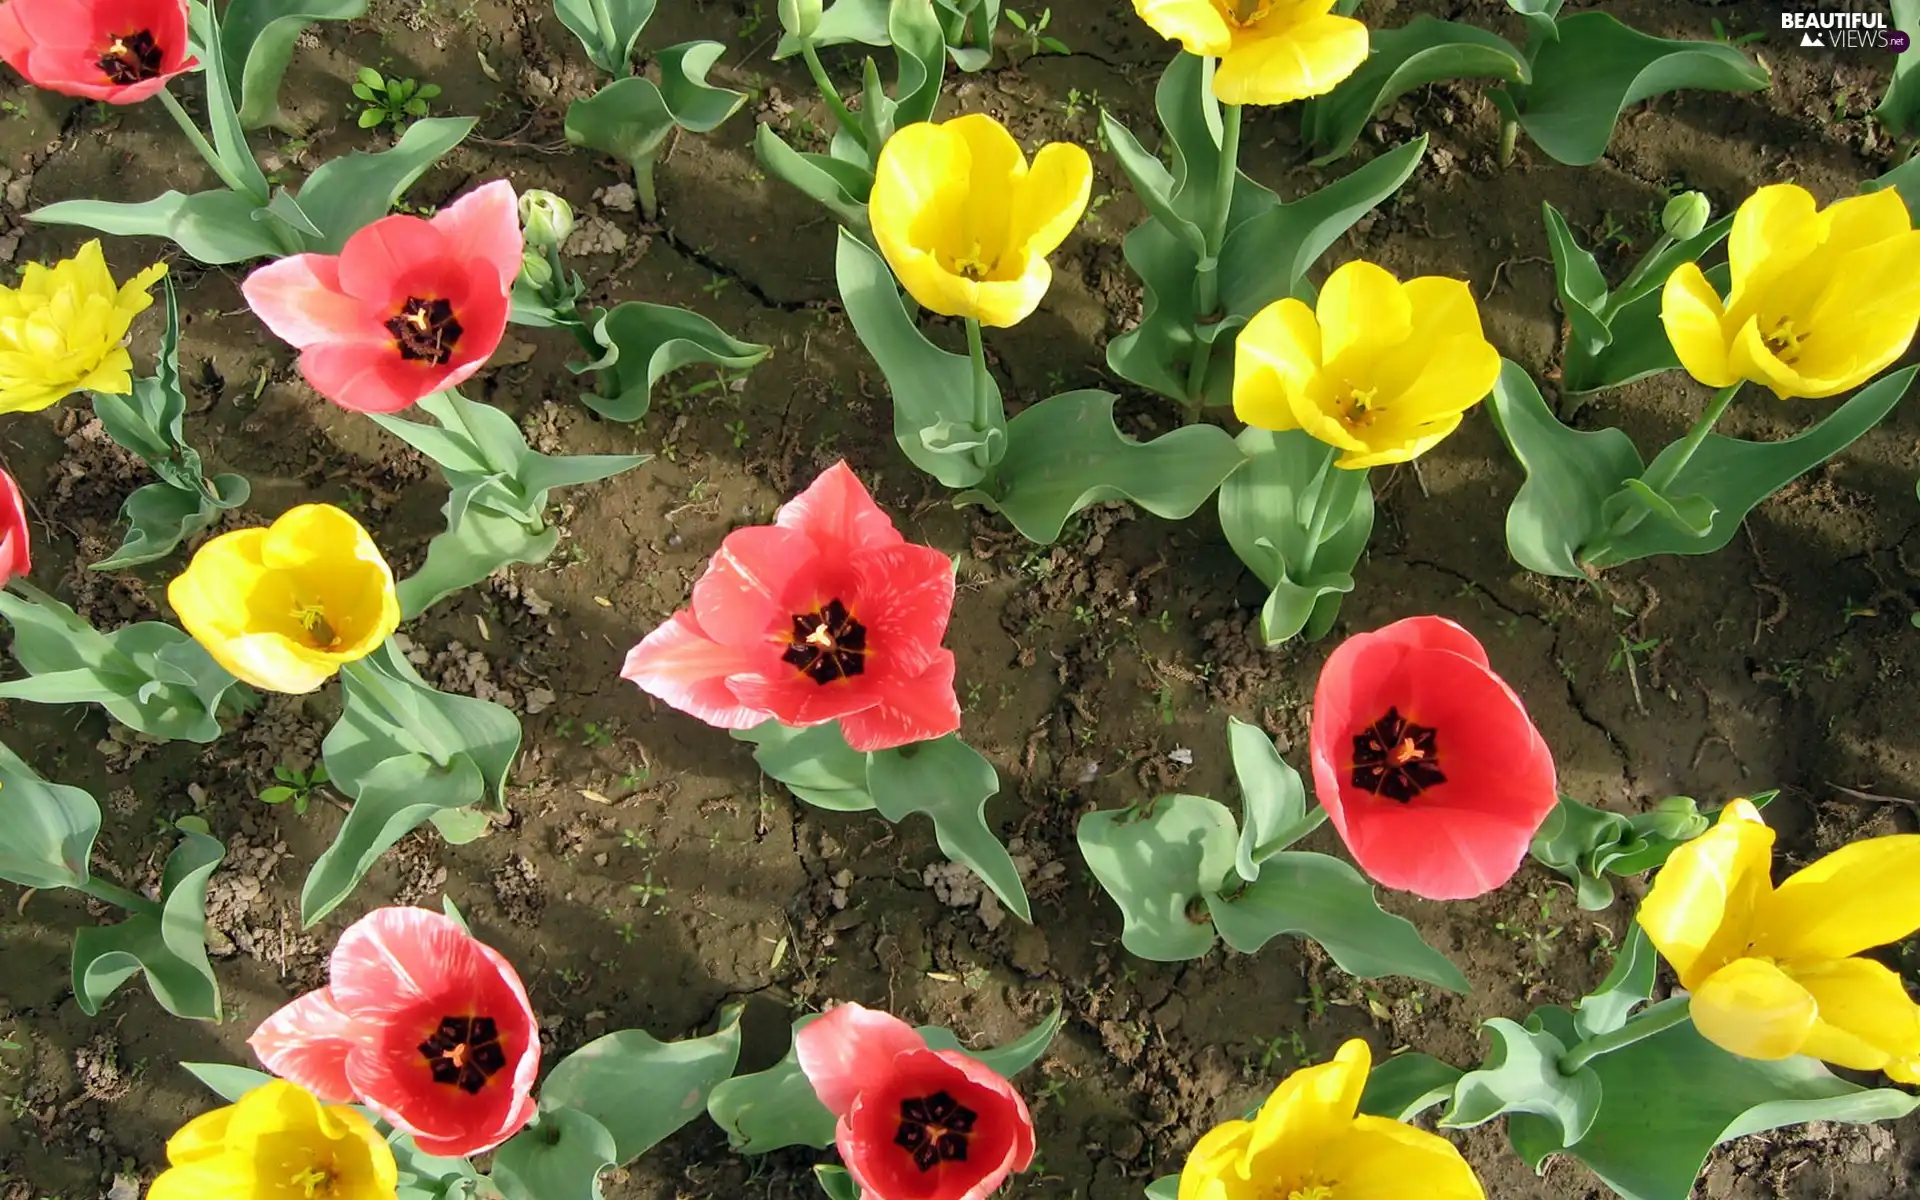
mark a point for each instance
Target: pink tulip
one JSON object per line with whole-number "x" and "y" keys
{"x": 14, "y": 559}
{"x": 118, "y": 51}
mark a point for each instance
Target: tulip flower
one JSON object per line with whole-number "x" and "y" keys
{"x": 409, "y": 307}
{"x": 14, "y": 543}
{"x": 1822, "y": 300}
{"x": 1775, "y": 972}
{"x": 64, "y": 329}
{"x": 967, "y": 224}
{"x": 1379, "y": 369}
{"x": 119, "y": 51}
{"x": 913, "y": 1123}
{"x": 826, "y": 615}
{"x": 277, "y": 1140}
{"x": 1426, "y": 762}
{"x": 285, "y": 607}
{"x": 1310, "y": 1142}
{"x": 421, "y": 1022}
{"x": 1270, "y": 51}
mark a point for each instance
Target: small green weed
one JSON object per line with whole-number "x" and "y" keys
{"x": 295, "y": 786}
{"x": 395, "y": 102}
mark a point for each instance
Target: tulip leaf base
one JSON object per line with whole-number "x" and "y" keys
{"x": 946, "y": 779}
{"x": 257, "y": 40}
{"x": 607, "y": 29}
{"x": 1587, "y": 502}
{"x": 1300, "y": 524}
{"x": 630, "y": 118}
{"x": 405, "y": 754}
{"x": 1186, "y": 874}
{"x": 150, "y": 677}
{"x": 775, "y": 1108}
{"x": 1588, "y": 844}
{"x": 638, "y": 344}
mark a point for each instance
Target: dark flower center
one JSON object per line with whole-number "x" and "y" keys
{"x": 425, "y": 330}
{"x": 1395, "y": 758}
{"x": 934, "y": 1129}
{"x": 827, "y": 644}
{"x": 130, "y": 58}
{"x": 464, "y": 1052}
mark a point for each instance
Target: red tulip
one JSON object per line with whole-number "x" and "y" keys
{"x": 1426, "y": 761}
{"x": 422, "y": 1023}
{"x": 119, "y": 51}
{"x": 914, "y": 1123}
{"x": 828, "y": 614}
{"x": 409, "y": 307}
{"x": 14, "y": 559}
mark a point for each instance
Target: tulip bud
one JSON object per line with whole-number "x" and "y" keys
{"x": 800, "y": 17}
{"x": 1685, "y": 215}
{"x": 1677, "y": 818}
{"x": 535, "y": 269}
{"x": 545, "y": 218}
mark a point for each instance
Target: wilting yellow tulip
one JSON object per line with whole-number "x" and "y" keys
{"x": 286, "y": 607}
{"x": 1773, "y": 971}
{"x": 964, "y": 221}
{"x": 1381, "y": 369}
{"x": 1822, "y": 299}
{"x": 64, "y": 328}
{"x": 1309, "y": 1143}
{"x": 1270, "y": 51}
{"x": 277, "y": 1140}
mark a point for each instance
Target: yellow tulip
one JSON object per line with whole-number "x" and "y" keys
{"x": 964, "y": 221}
{"x": 1381, "y": 370}
{"x": 64, "y": 328}
{"x": 285, "y": 607}
{"x": 278, "y": 1141}
{"x": 1270, "y": 51}
{"x": 1773, "y": 971}
{"x": 1822, "y": 299}
{"x": 1309, "y": 1143}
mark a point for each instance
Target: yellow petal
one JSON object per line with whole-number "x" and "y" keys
{"x": 999, "y": 303}
{"x": 1310, "y": 1109}
{"x": 1276, "y": 355}
{"x": 1362, "y": 311}
{"x": 1861, "y": 221}
{"x": 1197, "y": 25}
{"x": 1774, "y": 230}
{"x": 1050, "y": 200}
{"x": 1867, "y": 1020}
{"x": 1454, "y": 374}
{"x": 1378, "y": 1158}
{"x": 1703, "y": 903}
{"x": 1904, "y": 1071}
{"x": 996, "y": 170}
{"x": 917, "y": 200}
{"x": 1382, "y": 451}
{"x": 1213, "y": 1169}
{"x": 1864, "y": 894}
{"x": 1284, "y": 59}
{"x": 221, "y": 1177}
{"x": 201, "y": 1138}
{"x": 1694, "y": 318}
{"x": 1752, "y": 1008}
{"x": 1751, "y": 358}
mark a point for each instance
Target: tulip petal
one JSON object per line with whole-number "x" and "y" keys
{"x": 1050, "y": 200}
{"x": 1860, "y": 222}
{"x": 1197, "y": 25}
{"x": 838, "y": 514}
{"x": 1435, "y": 633}
{"x": 681, "y": 665}
{"x": 1311, "y": 1109}
{"x": 1752, "y": 1008}
{"x": 849, "y": 1048}
{"x": 1693, "y": 316}
{"x": 485, "y": 225}
{"x": 1276, "y": 357}
{"x": 1701, "y": 911}
{"x": 1004, "y": 303}
{"x": 1363, "y": 311}
{"x": 995, "y": 174}
{"x": 366, "y": 376}
{"x": 1774, "y": 230}
{"x": 744, "y": 594}
{"x": 904, "y": 595}
{"x": 397, "y": 257}
{"x": 1217, "y": 1156}
{"x": 202, "y": 1138}
{"x": 1865, "y": 894}
{"x": 911, "y": 710}
{"x": 307, "y": 1041}
{"x": 15, "y": 44}
{"x": 1866, "y": 1017}
{"x": 395, "y": 959}
{"x": 299, "y": 299}
{"x": 1376, "y": 1157}
{"x": 1284, "y": 60}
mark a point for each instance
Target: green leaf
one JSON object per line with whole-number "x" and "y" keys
{"x": 350, "y": 192}
{"x": 1152, "y": 182}
{"x": 1019, "y": 1054}
{"x": 1156, "y": 861}
{"x": 1266, "y": 511}
{"x": 639, "y": 1089}
{"x": 459, "y": 558}
{"x": 215, "y": 228}
{"x": 1577, "y": 277}
{"x": 645, "y": 342}
{"x": 1407, "y": 1085}
{"x": 1570, "y": 474}
{"x": 1065, "y": 454}
{"x": 1273, "y": 801}
{"x": 841, "y": 186}
{"x": 227, "y": 1082}
{"x": 1598, "y": 68}
{"x": 1571, "y": 840}
{"x": 607, "y": 29}
{"x": 229, "y": 136}
{"x": 771, "y": 1109}
{"x": 933, "y": 417}
{"x": 1904, "y": 179}
{"x": 160, "y": 516}
{"x": 392, "y": 799}
{"x": 1734, "y": 475}
{"x": 837, "y": 1182}
{"x": 951, "y": 783}
{"x": 257, "y": 38}
{"x": 1326, "y": 900}
{"x": 170, "y": 945}
{"x": 371, "y": 117}
{"x": 1627, "y": 986}
{"x": 814, "y": 763}
{"x": 920, "y": 60}
{"x": 630, "y": 118}
{"x": 1899, "y": 109}
{"x": 843, "y": 21}
{"x": 559, "y": 1158}
{"x": 1522, "y": 1075}
{"x": 276, "y": 795}
{"x": 50, "y": 827}
{"x": 1167, "y": 1187}
{"x": 1423, "y": 51}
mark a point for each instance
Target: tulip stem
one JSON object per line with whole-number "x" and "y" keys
{"x": 1206, "y": 278}
{"x": 119, "y": 897}
{"x": 1657, "y": 1019}
{"x": 831, "y": 95}
{"x": 982, "y": 391}
{"x": 205, "y": 148}
{"x": 1675, "y": 460}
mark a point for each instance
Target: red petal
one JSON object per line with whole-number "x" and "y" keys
{"x": 689, "y": 670}
{"x": 909, "y": 710}
{"x": 300, "y": 300}
{"x": 397, "y": 959}
{"x": 903, "y": 594}
{"x": 851, "y": 1047}
{"x": 14, "y": 538}
{"x": 1435, "y": 633}
{"x": 400, "y": 256}
{"x": 366, "y": 376}
{"x": 745, "y": 595}
{"x": 1001, "y": 1141}
{"x": 14, "y": 42}
{"x": 485, "y": 224}
{"x": 796, "y": 700}
{"x": 839, "y": 515}
{"x": 307, "y": 1042}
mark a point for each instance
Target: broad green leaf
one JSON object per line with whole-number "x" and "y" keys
{"x": 350, "y": 192}
{"x": 1904, "y": 179}
{"x": 1541, "y": 17}
{"x": 607, "y": 29}
{"x": 390, "y": 800}
{"x": 1577, "y": 277}
{"x": 837, "y": 1182}
{"x": 229, "y": 136}
{"x": 1423, "y": 51}
{"x": 1157, "y": 861}
{"x": 458, "y": 559}
{"x": 1899, "y": 109}
{"x": 1273, "y": 801}
{"x": 160, "y": 516}
{"x": 841, "y": 186}
{"x": 1326, "y": 900}
{"x": 771, "y": 1109}
{"x": 630, "y": 118}
{"x": 1571, "y": 839}
{"x": 1570, "y": 474}
{"x": 951, "y": 783}
{"x": 50, "y": 827}
{"x": 215, "y": 228}
{"x": 1522, "y": 1074}
{"x": 1167, "y": 1187}
{"x": 1152, "y": 182}
{"x": 487, "y": 732}
{"x": 920, "y": 60}
{"x": 1407, "y": 1085}
{"x": 227, "y": 1082}
{"x": 1627, "y": 986}
{"x": 645, "y": 342}
{"x": 1598, "y": 68}
{"x": 1022, "y": 1052}
{"x": 843, "y": 21}
{"x": 170, "y": 945}
{"x": 559, "y": 1158}
{"x": 1065, "y": 454}
{"x": 1266, "y": 511}
{"x": 933, "y": 417}
{"x": 641, "y": 1089}
{"x": 814, "y": 763}
{"x": 257, "y": 38}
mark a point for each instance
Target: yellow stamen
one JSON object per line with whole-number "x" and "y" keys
{"x": 313, "y": 1182}
{"x": 1359, "y": 410}
{"x": 821, "y": 637}
{"x": 313, "y": 619}
{"x": 1316, "y": 1191}
{"x": 1784, "y": 341}
{"x": 1248, "y": 12}
{"x": 1405, "y": 753}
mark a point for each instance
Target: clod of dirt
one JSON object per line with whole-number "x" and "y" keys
{"x": 594, "y": 234}
{"x": 617, "y": 198}
{"x": 97, "y": 1065}
{"x": 516, "y": 884}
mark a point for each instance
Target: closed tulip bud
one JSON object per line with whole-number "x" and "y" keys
{"x": 1685, "y": 215}
{"x": 535, "y": 269}
{"x": 1678, "y": 819}
{"x": 546, "y": 219}
{"x": 800, "y": 17}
